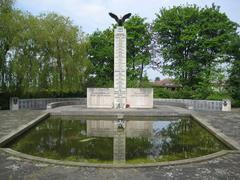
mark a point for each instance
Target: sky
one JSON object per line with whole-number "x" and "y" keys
{"x": 91, "y": 15}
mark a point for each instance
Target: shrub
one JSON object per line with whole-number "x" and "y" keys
{"x": 4, "y": 101}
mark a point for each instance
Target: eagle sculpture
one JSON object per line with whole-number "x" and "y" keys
{"x": 120, "y": 20}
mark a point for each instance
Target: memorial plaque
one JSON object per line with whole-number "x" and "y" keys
{"x": 100, "y": 97}
{"x": 140, "y": 97}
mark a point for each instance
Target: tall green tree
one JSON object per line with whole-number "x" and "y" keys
{"x": 49, "y": 55}
{"x": 193, "y": 41}
{"x": 234, "y": 77}
{"x": 10, "y": 25}
{"x": 23, "y": 62}
{"x": 138, "y": 41}
{"x": 41, "y": 53}
{"x": 63, "y": 52}
{"x": 100, "y": 53}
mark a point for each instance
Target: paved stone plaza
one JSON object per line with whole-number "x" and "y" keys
{"x": 224, "y": 167}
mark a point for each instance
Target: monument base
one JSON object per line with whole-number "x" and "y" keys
{"x": 104, "y": 98}
{"x": 100, "y": 97}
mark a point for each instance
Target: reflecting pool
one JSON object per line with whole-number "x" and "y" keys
{"x": 99, "y": 140}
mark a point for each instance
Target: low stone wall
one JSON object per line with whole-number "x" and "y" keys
{"x": 42, "y": 103}
{"x": 164, "y": 103}
{"x": 63, "y": 103}
{"x": 202, "y": 105}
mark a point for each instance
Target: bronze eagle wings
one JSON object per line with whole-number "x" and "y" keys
{"x": 120, "y": 20}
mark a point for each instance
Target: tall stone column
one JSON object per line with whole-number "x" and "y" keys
{"x": 120, "y": 45}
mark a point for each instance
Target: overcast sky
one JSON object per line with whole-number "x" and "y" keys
{"x": 93, "y": 14}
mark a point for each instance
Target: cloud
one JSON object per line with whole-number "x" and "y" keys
{"x": 93, "y": 14}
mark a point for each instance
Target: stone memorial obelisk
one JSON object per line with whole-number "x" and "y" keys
{"x": 120, "y": 45}
{"x": 120, "y": 96}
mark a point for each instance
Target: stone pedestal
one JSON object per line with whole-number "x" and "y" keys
{"x": 120, "y": 91}
{"x": 14, "y": 103}
{"x": 226, "y": 105}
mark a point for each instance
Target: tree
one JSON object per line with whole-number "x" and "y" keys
{"x": 63, "y": 52}
{"x": 100, "y": 53}
{"x": 234, "y": 77}
{"x": 193, "y": 41}
{"x": 49, "y": 55}
{"x": 157, "y": 79}
{"x": 40, "y": 53}
{"x": 138, "y": 41}
{"x": 9, "y": 27}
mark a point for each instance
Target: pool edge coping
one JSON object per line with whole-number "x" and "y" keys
{"x": 112, "y": 165}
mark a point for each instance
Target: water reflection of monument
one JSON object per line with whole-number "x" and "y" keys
{"x": 107, "y": 128}
{"x": 110, "y": 129}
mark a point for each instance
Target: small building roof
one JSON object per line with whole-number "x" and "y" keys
{"x": 166, "y": 83}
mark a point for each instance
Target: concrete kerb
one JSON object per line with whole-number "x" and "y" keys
{"x": 229, "y": 142}
{"x": 112, "y": 113}
{"x": 82, "y": 164}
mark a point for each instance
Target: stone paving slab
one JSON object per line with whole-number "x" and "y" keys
{"x": 224, "y": 167}
{"x": 227, "y": 122}
{"x": 10, "y": 120}
{"x": 156, "y": 111}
